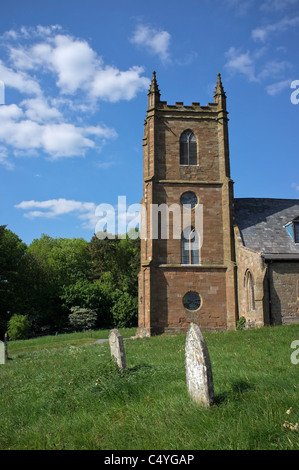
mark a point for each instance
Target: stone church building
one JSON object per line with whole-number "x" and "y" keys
{"x": 245, "y": 260}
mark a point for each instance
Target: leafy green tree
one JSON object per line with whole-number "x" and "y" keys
{"x": 90, "y": 295}
{"x": 52, "y": 275}
{"x": 120, "y": 257}
{"x": 54, "y": 263}
{"x": 115, "y": 264}
{"x": 103, "y": 255}
{"x": 124, "y": 310}
{"x": 12, "y": 254}
{"x": 19, "y": 327}
{"x": 82, "y": 318}
{"x": 65, "y": 259}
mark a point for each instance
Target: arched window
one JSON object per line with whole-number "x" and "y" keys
{"x": 249, "y": 288}
{"x": 190, "y": 246}
{"x": 188, "y": 149}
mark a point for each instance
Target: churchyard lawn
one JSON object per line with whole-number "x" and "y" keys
{"x": 65, "y": 392}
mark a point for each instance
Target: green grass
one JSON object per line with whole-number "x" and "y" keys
{"x": 66, "y": 393}
{"x": 63, "y": 340}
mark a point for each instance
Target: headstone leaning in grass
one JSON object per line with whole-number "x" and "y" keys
{"x": 117, "y": 349}
{"x": 2, "y": 352}
{"x": 198, "y": 367}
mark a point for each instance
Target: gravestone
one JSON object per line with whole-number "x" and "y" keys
{"x": 2, "y": 352}
{"x": 5, "y": 342}
{"x": 117, "y": 349}
{"x": 198, "y": 367}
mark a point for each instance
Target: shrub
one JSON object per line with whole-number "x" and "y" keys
{"x": 124, "y": 310}
{"x": 82, "y": 318}
{"x": 241, "y": 323}
{"x": 19, "y": 327}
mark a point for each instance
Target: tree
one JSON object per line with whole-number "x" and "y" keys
{"x": 12, "y": 254}
{"x": 124, "y": 310}
{"x": 103, "y": 256}
{"x": 19, "y": 327}
{"x": 65, "y": 259}
{"x": 90, "y": 295}
{"x": 82, "y": 318}
{"x": 52, "y": 275}
{"x": 120, "y": 257}
{"x": 55, "y": 264}
{"x": 115, "y": 264}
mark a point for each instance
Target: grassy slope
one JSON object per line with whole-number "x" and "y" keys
{"x": 63, "y": 393}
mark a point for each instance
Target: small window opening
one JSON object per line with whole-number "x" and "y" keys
{"x": 249, "y": 286}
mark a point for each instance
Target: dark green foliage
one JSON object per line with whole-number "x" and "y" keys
{"x": 12, "y": 275}
{"x": 50, "y": 276}
{"x": 90, "y": 295}
{"x": 241, "y": 323}
{"x": 124, "y": 310}
{"x": 119, "y": 257}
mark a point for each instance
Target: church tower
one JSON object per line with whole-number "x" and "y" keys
{"x": 190, "y": 276}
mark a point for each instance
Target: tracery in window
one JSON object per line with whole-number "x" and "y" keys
{"x": 188, "y": 148}
{"x": 192, "y": 301}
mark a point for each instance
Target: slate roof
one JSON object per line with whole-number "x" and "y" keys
{"x": 261, "y": 224}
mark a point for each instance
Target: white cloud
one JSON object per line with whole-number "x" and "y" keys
{"x": 156, "y": 41}
{"x": 88, "y": 213}
{"x": 240, "y": 6}
{"x": 10, "y": 112}
{"x": 65, "y": 140}
{"x": 56, "y": 120}
{"x": 277, "y": 87}
{"x": 92, "y": 216}
{"x": 19, "y": 80}
{"x": 105, "y": 165}
{"x": 262, "y": 33}
{"x": 38, "y": 109}
{"x": 274, "y": 68}
{"x": 74, "y": 61}
{"x": 28, "y": 32}
{"x": 53, "y": 208}
{"x": 277, "y": 5}
{"x": 241, "y": 62}
{"x": 255, "y": 68}
{"x": 77, "y": 66}
{"x": 56, "y": 140}
{"x": 4, "y": 160}
{"x": 110, "y": 84}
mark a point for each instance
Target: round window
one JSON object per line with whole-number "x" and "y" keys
{"x": 192, "y": 301}
{"x": 189, "y": 198}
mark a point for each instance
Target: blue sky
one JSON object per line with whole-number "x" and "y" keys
{"x": 76, "y": 75}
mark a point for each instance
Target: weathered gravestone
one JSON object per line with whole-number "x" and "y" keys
{"x": 2, "y": 352}
{"x": 5, "y": 342}
{"x": 198, "y": 367}
{"x": 117, "y": 348}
